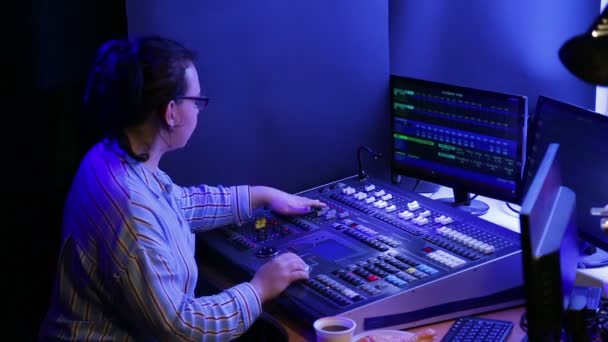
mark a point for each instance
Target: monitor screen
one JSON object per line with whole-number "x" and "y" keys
{"x": 549, "y": 248}
{"x": 471, "y": 140}
{"x": 583, "y": 138}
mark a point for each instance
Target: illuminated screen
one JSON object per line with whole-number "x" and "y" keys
{"x": 471, "y": 140}
{"x": 331, "y": 250}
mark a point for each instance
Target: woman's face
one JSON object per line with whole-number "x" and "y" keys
{"x": 186, "y": 110}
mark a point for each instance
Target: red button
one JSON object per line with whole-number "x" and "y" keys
{"x": 372, "y": 277}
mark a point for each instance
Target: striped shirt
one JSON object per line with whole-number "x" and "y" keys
{"x": 126, "y": 268}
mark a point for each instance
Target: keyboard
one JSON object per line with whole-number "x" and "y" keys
{"x": 478, "y": 329}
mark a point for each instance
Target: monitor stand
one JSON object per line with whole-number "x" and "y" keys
{"x": 591, "y": 256}
{"x": 414, "y": 184}
{"x": 463, "y": 201}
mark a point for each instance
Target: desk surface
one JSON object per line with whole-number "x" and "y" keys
{"x": 512, "y": 315}
{"x": 299, "y": 333}
{"x": 498, "y": 212}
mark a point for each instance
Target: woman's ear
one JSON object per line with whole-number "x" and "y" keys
{"x": 170, "y": 113}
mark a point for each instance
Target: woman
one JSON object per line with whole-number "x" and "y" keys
{"x": 126, "y": 268}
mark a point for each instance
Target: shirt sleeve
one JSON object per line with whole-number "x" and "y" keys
{"x": 156, "y": 298}
{"x": 208, "y": 207}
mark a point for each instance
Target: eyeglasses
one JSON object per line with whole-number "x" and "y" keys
{"x": 200, "y": 102}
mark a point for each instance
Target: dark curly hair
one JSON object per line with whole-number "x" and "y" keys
{"x": 132, "y": 80}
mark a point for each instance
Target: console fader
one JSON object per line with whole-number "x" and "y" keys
{"x": 382, "y": 255}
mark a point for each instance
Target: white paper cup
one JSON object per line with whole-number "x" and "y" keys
{"x": 334, "y": 329}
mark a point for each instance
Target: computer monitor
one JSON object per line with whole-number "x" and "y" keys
{"x": 549, "y": 248}
{"x": 583, "y": 138}
{"x": 471, "y": 140}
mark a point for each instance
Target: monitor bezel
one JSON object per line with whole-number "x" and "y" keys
{"x": 548, "y": 231}
{"x": 592, "y": 235}
{"x": 459, "y": 184}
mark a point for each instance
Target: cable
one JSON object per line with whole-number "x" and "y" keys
{"x": 416, "y": 185}
{"x": 598, "y": 264}
{"x": 523, "y": 321}
{"x": 600, "y": 320}
{"x": 512, "y": 209}
{"x": 588, "y": 248}
{"x": 375, "y": 155}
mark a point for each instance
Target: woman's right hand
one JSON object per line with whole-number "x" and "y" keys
{"x": 274, "y": 276}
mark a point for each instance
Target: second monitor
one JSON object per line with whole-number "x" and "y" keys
{"x": 582, "y": 135}
{"x": 471, "y": 140}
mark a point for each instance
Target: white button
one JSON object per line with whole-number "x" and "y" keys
{"x": 387, "y": 197}
{"x": 425, "y": 213}
{"x": 349, "y": 190}
{"x": 380, "y": 204}
{"x": 406, "y": 215}
{"x": 422, "y": 221}
{"x": 447, "y": 220}
{"x": 413, "y": 205}
{"x": 360, "y": 195}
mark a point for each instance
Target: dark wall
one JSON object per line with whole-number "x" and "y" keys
{"x": 506, "y": 46}
{"x": 61, "y": 38}
{"x": 296, "y": 87}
